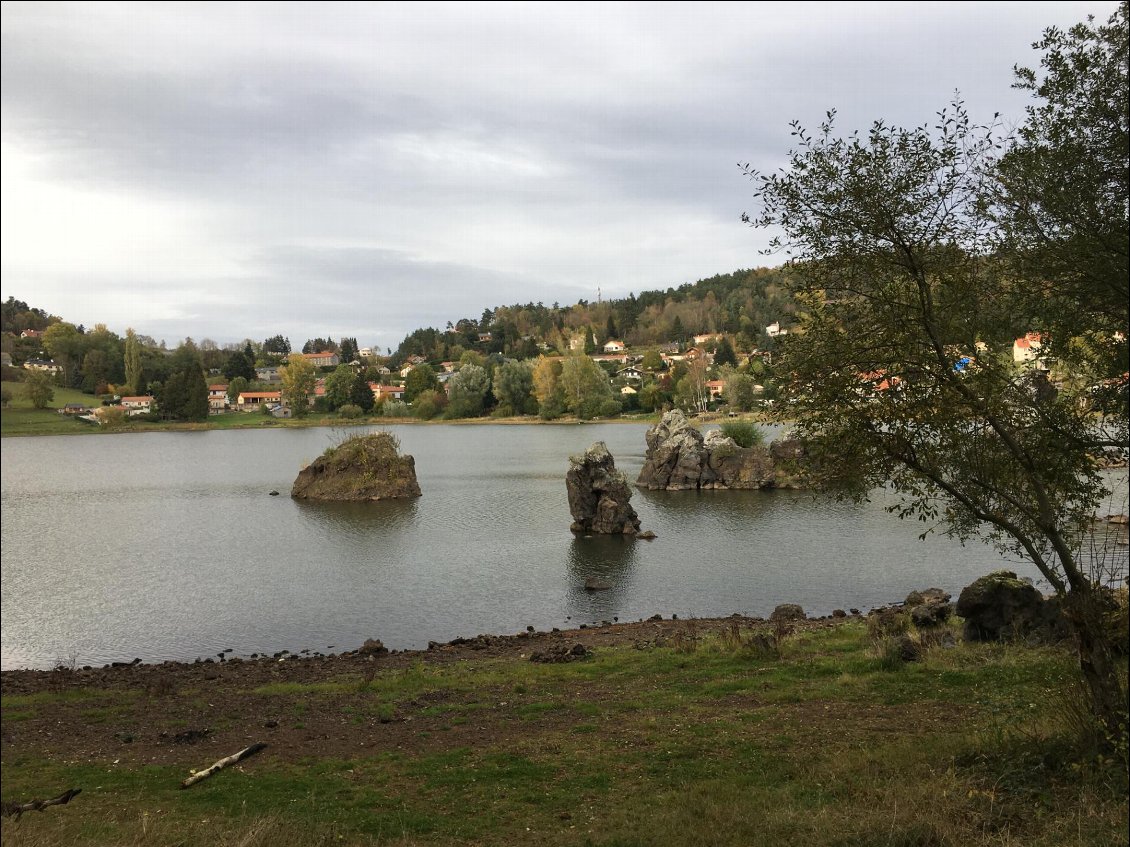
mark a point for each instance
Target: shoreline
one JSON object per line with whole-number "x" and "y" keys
{"x": 482, "y": 646}
{"x": 258, "y": 425}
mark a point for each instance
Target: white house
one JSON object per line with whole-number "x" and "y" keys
{"x": 141, "y": 405}
{"x": 634, "y": 374}
{"x": 41, "y": 365}
{"x": 613, "y": 346}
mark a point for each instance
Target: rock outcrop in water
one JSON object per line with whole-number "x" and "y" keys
{"x": 599, "y": 494}
{"x": 362, "y": 467}
{"x": 679, "y": 458}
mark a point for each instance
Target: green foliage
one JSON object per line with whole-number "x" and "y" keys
{"x": 132, "y": 362}
{"x": 420, "y": 379}
{"x": 348, "y": 350}
{"x": 350, "y": 412}
{"x": 16, "y": 316}
{"x": 277, "y": 344}
{"x": 319, "y": 345}
{"x": 467, "y": 391}
{"x": 361, "y": 394}
{"x": 39, "y": 388}
{"x": 744, "y": 433}
{"x": 113, "y": 418}
{"x": 184, "y": 394}
{"x": 395, "y": 409}
{"x": 365, "y": 448}
{"x": 585, "y": 388}
{"x": 740, "y": 392}
{"x": 1063, "y": 192}
{"x": 298, "y": 381}
{"x": 652, "y": 397}
{"x": 724, "y": 354}
{"x": 513, "y": 386}
{"x": 914, "y": 249}
{"x": 339, "y": 387}
{"x": 429, "y": 404}
{"x": 236, "y": 387}
{"x": 240, "y": 363}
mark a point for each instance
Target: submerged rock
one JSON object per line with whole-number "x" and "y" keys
{"x": 599, "y": 496}
{"x": 362, "y": 467}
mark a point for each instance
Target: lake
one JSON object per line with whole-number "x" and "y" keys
{"x": 167, "y": 546}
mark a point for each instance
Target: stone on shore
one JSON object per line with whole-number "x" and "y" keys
{"x": 1000, "y": 606}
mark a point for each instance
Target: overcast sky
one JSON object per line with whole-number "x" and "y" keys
{"x": 228, "y": 171}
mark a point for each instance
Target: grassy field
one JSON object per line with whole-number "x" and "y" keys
{"x": 708, "y": 736}
{"x": 19, "y": 418}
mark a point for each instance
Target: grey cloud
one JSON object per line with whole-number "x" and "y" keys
{"x": 444, "y": 158}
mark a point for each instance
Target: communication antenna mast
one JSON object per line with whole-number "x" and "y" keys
{"x": 598, "y": 295}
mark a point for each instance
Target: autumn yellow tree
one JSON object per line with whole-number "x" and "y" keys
{"x": 298, "y": 380}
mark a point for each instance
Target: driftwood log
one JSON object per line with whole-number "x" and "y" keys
{"x": 245, "y": 753}
{"x": 14, "y": 810}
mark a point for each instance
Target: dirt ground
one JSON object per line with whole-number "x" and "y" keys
{"x": 191, "y": 714}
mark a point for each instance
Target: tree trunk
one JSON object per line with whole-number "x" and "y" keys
{"x": 1086, "y": 611}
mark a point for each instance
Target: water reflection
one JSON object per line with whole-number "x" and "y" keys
{"x": 605, "y": 560}
{"x": 360, "y": 520}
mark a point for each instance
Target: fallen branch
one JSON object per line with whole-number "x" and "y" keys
{"x": 246, "y": 752}
{"x": 14, "y": 810}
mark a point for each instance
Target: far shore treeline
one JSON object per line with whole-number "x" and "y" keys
{"x": 703, "y": 345}
{"x": 591, "y": 359}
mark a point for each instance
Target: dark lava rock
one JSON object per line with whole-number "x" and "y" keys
{"x": 372, "y": 647}
{"x": 1000, "y": 606}
{"x": 561, "y": 653}
{"x": 599, "y": 497}
{"x": 680, "y": 458}
{"x": 788, "y": 612}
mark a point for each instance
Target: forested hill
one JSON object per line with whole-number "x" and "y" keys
{"x": 741, "y": 303}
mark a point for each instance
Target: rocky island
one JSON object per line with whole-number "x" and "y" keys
{"x": 362, "y": 467}
{"x": 680, "y": 458}
{"x": 599, "y": 496}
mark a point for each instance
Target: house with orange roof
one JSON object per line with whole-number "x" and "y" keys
{"x": 217, "y": 398}
{"x": 250, "y": 401}
{"x": 1026, "y": 350}
{"x": 386, "y": 392}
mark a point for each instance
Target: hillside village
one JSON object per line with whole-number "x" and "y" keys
{"x": 561, "y": 366}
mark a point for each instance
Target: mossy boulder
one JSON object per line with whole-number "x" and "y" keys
{"x": 362, "y": 467}
{"x": 1001, "y": 606}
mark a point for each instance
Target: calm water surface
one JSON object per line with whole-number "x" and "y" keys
{"x": 167, "y": 546}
